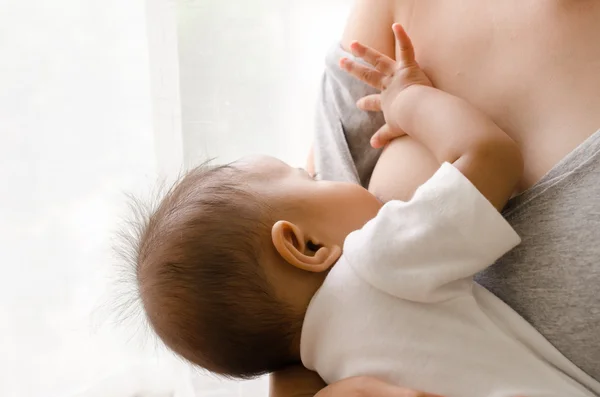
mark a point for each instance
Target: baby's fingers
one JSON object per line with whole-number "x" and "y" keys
{"x": 381, "y": 62}
{"x": 370, "y": 76}
{"x": 384, "y": 135}
{"x": 406, "y": 53}
{"x": 370, "y": 103}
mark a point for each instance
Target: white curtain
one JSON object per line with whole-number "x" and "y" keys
{"x": 250, "y": 72}
{"x": 99, "y": 98}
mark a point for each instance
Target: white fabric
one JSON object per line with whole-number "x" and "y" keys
{"x": 401, "y": 305}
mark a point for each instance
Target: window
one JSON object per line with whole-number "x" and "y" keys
{"x": 102, "y": 98}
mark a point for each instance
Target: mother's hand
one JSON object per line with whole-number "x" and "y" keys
{"x": 364, "y": 386}
{"x": 300, "y": 382}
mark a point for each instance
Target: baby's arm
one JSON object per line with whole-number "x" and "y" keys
{"x": 458, "y": 133}
{"x": 404, "y": 165}
{"x": 452, "y": 129}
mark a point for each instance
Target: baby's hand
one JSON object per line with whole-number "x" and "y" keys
{"x": 387, "y": 75}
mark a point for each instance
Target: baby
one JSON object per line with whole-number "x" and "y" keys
{"x": 247, "y": 268}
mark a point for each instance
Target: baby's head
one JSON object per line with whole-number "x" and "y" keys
{"x": 228, "y": 262}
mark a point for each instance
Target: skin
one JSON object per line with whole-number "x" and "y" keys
{"x": 450, "y": 128}
{"x": 321, "y": 212}
{"x": 316, "y": 216}
{"x": 531, "y": 65}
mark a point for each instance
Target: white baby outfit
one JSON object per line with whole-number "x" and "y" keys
{"x": 401, "y": 304}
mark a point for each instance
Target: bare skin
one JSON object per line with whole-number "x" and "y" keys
{"x": 533, "y": 66}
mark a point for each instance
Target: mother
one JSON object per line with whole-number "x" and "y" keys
{"x": 534, "y": 67}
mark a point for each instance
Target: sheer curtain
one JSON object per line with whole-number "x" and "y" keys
{"x": 250, "y": 73}
{"x": 102, "y": 98}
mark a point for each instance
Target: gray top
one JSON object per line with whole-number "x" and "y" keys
{"x": 552, "y": 277}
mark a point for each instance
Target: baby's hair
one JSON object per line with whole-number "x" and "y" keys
{"x": 204, "y": 292}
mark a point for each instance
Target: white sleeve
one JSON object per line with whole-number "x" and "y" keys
{"x": 428, "y": 249}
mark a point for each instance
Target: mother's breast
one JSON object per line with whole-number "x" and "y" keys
{"x": 533, "y": 66}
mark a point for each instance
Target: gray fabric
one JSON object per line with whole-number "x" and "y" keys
{"x": 337, "y": 158}
{"x": 553, "y": 278}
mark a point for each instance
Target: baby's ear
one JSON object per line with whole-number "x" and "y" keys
{"x": 297, "y": 249}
